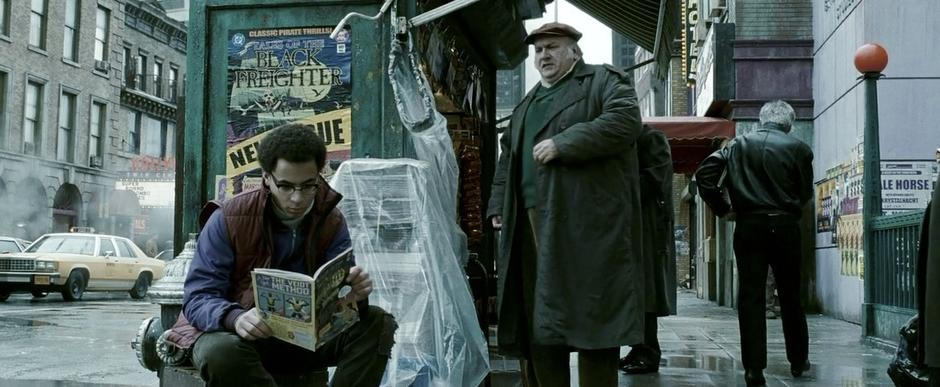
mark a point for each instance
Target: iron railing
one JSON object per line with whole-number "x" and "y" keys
{"x": 894, "y": 260}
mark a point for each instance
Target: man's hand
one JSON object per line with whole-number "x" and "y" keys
{"x": 497, "y": 222}
{"x": 545, "y": 151}
{"x": 250, "y": 326}
{"x": 360, "y": 282}
{"x": 730, "y": 216}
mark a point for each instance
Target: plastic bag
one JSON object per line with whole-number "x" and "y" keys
{"x": 401, "y": 215}
{"x": 904, "y": 370}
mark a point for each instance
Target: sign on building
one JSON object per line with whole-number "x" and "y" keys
{"x": 907, "y": 185}
{"x": 153, "y": 189}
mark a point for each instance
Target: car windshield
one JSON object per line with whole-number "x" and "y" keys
{"x": 64, "y": 244}
{"x": 8, "y": 246}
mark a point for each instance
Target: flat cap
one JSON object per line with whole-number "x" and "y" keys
{"x": 553, "y": 29}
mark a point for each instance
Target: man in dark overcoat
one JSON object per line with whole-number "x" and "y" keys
{"x": 928, "y": 286}
{"x": 659, "y": 248}
{"x": 566, "y": 196}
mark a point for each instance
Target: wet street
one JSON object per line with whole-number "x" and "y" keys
{"x": 49, "y": 342}
{"x": 702, "y": 347}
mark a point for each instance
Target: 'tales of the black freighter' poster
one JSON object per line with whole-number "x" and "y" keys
{"x": 283, "y": 75}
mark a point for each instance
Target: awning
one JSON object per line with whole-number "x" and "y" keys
{"x": 496, "y": 28}
{"x": 651, "y": 24}
{"x": 691, "y": 138}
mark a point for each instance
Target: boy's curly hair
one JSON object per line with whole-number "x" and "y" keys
{"x": 292, "y": 142}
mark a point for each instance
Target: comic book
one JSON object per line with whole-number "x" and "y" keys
{"x": 304, "y": 310}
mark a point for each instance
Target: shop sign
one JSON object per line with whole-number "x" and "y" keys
{"x": 150, "y": 193}
{"x": 705, "y": 75}
{"x": 153, "y": 164}
{"x": 715, "y": 68}
{"x": 690, "y": 48}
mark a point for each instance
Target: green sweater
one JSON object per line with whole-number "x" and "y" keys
{"x": 538, "y": 108}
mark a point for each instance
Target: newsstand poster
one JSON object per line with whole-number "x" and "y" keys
{"x": 286, "y": 75}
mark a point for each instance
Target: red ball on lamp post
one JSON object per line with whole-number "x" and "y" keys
{"x": 871, "y": 58}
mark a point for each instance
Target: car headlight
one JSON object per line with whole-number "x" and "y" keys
{"x": 47, "y": 266}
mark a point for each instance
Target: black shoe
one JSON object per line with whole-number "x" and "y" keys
{"x": 798, "y": 371}
{"x": 630, "y": 358}
{"x": 638, "y": 365}
{"x": 754, "y": 378}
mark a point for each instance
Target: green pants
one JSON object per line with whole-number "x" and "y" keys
{"x": 548, "y": 366}
{"x": 360, "y": 355}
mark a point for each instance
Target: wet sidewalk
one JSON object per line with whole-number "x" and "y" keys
{"x": 702, "y": 347}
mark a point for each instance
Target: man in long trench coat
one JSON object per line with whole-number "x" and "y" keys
{"x": 659, "y": 247}
{"x": 566, "y": 196}
{"x": 928, "y": 287}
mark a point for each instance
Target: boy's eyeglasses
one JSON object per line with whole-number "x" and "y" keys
{"x": 288, "y": 188}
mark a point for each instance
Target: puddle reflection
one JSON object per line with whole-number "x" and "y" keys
{"x": 24, "y": 322}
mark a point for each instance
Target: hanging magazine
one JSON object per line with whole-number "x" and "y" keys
{"x": 303, "y": 310}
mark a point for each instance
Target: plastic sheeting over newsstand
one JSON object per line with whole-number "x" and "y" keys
{"x": 402, "y": 218}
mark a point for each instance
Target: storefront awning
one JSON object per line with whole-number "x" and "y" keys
{"x": 651, "y": 24}
{"x": 691, "y": 139}
{"x": 496, "y": 28}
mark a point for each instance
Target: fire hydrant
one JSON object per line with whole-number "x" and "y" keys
{"x": 150, "y": 345}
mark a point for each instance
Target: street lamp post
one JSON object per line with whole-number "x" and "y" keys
{"x": 870, "y": 60}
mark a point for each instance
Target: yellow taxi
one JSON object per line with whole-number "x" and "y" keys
{"x": 75, "y": 262}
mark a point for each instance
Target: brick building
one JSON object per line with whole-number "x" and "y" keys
{"x": 87, "y": 111}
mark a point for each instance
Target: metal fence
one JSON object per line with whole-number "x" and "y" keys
{"x": 894, "y": 260}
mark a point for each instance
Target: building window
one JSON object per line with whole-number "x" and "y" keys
{"x": 172, "y": 83}
{"x": 128, "y": 68}
{"x": 3, "y": 105}
{"x": 5, "y": 17}
{"x": 133, "y": 128}
{"x": 169, "y": 149}
{"x": 32, "y": 118}
{"x": 157, "y": 78}
{"x": 65, "y": 140}
{"x": 37, "y": 24}
{"x": 161, "y": 35}
{"x": 170, "y": 5}
{"x": 140, "y": 76}
{"x": 70, "y": 42}
{"x": 152, "y": 137}
{"x": 102, "y": 30}
{"x": 178, "y": 42}
{"x": 96, "y": 127}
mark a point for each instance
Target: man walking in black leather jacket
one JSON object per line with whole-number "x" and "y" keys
{"x": 762, "y": 180}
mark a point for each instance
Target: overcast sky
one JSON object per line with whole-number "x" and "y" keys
{"x": 596, "y": 40}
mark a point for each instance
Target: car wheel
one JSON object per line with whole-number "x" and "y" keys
{"x": 141, "y": 286}
{"x": 4, "y": 295}
{"x": 39, "y": 294}
{"x": 74, "y": 286}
